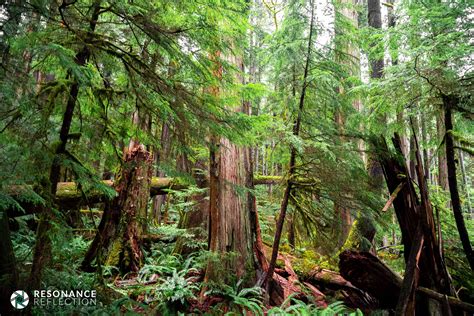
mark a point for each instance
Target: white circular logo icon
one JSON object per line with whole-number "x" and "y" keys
{"x": 19, "y": 299}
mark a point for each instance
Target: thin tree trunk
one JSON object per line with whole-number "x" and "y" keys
{"x": 42, "y": 251}
{"x": 161, "y": 155}
{"x": 464, "y": 181}
{"x": 442, "y": 163}
{"x": 292, "y": 164}
{"x": 449, "y": 102}
{"x": 424, "y": 137}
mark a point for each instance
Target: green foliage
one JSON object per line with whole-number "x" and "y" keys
{"x": 192, "y": 66}
{"x": 175, "y": 288}
{"x": 292, "y": 306}
{"x": 237, "y": 300}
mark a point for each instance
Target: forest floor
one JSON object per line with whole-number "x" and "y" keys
{"x": 169, "y": 283}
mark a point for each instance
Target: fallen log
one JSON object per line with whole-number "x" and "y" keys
{"x": 330, "y": 281}
{"x": 285, "y": 282}
{"x": 69, "y": 197}
{"x": 370, "y": 274}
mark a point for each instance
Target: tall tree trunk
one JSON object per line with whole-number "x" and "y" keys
{"x": 230, "y": 226}
{"x": 348, "y": 55}
{"x": 42, "y": 250}
{"x": 373, "y": 165}
{"x": 292, "y": 164}
{"x": 466, "y": 186}
{"x": 449, "y": 102}
{"x": 424, "y": 138}
{"x": 232, "y": 214}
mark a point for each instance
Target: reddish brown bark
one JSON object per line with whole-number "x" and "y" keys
{"x": 230, "y": 226}
{"x": 415, "y": 211}
{"x": 119, "y": 237}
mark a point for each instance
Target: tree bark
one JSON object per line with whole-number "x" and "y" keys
{"x": 376, "y": 72}
{"x": 230, "y": 226}
{"x": 442, "y": 163}
{"x": 165, "y": 141}
{"x": 42, "y": 251}
{"x": 231, "y": 213}
{"x": 449, "y": 102}
{"x": 119, "y": 237}
{"x": 370, "y": 274}
{"x": 412, "y": 211}
{"x": 292, "y": 164}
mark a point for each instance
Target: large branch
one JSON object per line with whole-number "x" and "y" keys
{"x": 68, "y": 197}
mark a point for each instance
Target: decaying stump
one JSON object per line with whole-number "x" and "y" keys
{"x": 415, "y": 215}
{"x": 120, "y": 231}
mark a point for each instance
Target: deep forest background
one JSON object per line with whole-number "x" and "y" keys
{"x": 238, "y": 157}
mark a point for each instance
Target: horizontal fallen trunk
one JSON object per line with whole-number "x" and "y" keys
{"x": 68, "y": 197}
{"x": 330, "y": 281}
{"x": 370, "y": 274}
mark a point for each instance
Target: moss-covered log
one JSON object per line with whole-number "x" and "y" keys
{"x": 68, "y": 197}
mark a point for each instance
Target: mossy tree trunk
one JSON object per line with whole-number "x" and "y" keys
{"x": 42, "y": 251}
{"x": 230, "y": 227}
{"x": 118, "y": 240}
